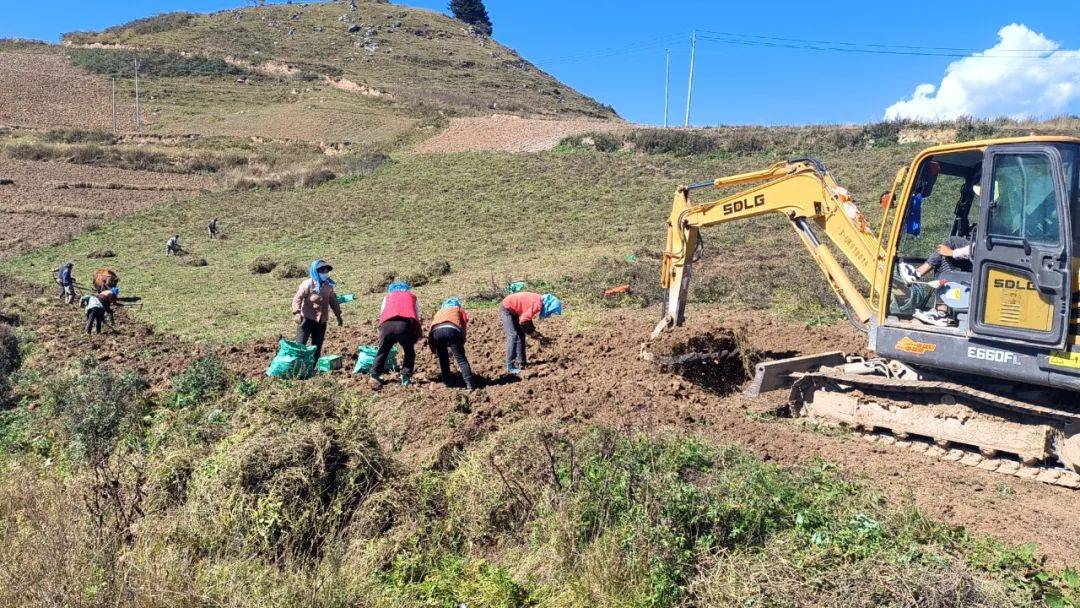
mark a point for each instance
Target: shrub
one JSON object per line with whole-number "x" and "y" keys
{"x": 10, "y": 359}
{"x": 78, "y": 136}
{"x": 98, "y": 407}
{"x": 601, "y": 142}
{"x": 968, "y": 129}
{"x": 287, "y": 481}
{"x": 679, "y": 142}
{"x": 313, "y": 178}
{"x": 881, "y": 134}
{"x": 35, "y": 152}
{"x": 263, "y": 264}
{"x": 290, "y": 270}
{"x": 203, "y": 378}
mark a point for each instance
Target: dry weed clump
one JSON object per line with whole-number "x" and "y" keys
{"x": 289, "y": 270}
{"x": 262, "y": 264}
{"x": 288, "y": 479}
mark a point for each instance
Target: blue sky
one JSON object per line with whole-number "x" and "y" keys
{"x": 734, "y": 84}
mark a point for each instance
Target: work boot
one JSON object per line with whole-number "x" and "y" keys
{"x": 513, "y": 369}
{"x": 406, "y": 381}
{"x": 376, "y": 383}
{"x": 470, "y": 386}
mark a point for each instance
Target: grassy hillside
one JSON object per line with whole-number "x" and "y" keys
{"x": 561, "y": 217}
{"x": 215, "y": 492}
{"x": 416, "y": 57}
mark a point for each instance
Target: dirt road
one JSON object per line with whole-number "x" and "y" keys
{"x": 502, "y": 133}
{"x": 595, "y": 375}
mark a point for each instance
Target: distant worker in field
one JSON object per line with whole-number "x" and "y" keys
{"x": 172, "y": 246}
{"x": 97, "y": 305}
{"x": 447, "y": 335}
{"x": 399, "y": 323}
{"x": 312, "y": 304}
{"x": 211, "y": 228}
{"x": 66, "y": 281}
{"x": 518, "y": 313}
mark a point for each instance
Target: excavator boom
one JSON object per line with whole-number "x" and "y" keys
{"x": 804, "y": 192}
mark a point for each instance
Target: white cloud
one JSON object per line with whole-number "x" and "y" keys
{"x": 1005, "y": 80}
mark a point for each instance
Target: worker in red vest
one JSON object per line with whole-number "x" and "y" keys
{"x": 517, "y": 312}
{"x": 399, "y": 323}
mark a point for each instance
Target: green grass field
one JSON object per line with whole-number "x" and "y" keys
{"x": 544, "y": 216}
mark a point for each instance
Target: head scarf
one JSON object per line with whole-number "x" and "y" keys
{"x": 115, "y": 291}
{"x": 397, "y": 286}
{"x": 69, "y": 264}
{"x": 313, "y": 272}
{"x": 451, "y": 303}
{"x": 552, "y": 306}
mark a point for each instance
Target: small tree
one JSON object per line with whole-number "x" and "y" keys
{"x": 473, "y": 13}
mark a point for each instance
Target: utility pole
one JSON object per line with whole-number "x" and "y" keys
{"x": 690, "y": 87}
{"x": 113, "y": 104}
{"x": 667, "y": 84}
{"x": 138, "y": 107}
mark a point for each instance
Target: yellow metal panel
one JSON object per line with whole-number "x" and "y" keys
{"x": 1013, "y": 301}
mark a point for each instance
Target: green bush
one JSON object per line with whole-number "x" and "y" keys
{"x": 98, "y": 407}
{"x": 881, "y": 134}
{"x": 601, "y": 142}
{"x": 78, "y": 136}
{"x": 680, "y": 142}
{"x": 289, "y": 478}
{"x": 10, "y": 360}
{"x": 161, "y": 64}
{"x": 969, "y": 129}
{"x": 204, "y": 378}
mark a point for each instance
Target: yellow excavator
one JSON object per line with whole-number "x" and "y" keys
{"x": 968, "y": 292}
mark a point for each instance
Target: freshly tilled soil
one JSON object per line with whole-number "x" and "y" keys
{"x": 597, "y": 375}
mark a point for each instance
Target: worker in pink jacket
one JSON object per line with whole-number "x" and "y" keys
{"x": 399, "y": 323}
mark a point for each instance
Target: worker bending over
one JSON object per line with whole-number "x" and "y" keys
{"x": 447, "y": 335}
{"x": 399, "y": 323}
{"x": 312, "y": 304}
{"x": 517, "y": 313}
{"x": 96, "y": 307}
{"x": 172, "y": 246}
{"x": 211, "y": 228}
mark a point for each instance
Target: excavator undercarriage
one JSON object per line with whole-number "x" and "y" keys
{"x": 889, "y": 401}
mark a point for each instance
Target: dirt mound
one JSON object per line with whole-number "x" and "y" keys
{"x": 44, "y": 90}
{"x": 598, "y": 376}
{"x": 508, "y": 134}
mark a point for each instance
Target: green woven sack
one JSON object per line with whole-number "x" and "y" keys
{"x": 292, "y": 361}
{"x": 328, "y": 363}
{"x": 365, "y": 359}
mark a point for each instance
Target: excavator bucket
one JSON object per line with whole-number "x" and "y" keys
{"x": 775, "y": 375}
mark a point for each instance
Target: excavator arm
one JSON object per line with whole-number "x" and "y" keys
{"x": 801, "y": 190}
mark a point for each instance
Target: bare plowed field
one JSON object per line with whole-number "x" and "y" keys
{"x": 595, "y": 375}
{"x": 50, "y": 202}
{"x": 44, "y": 90}
{"x": 508, "y": 134}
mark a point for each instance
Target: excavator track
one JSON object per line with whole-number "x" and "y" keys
{"x": 948, "y": 421}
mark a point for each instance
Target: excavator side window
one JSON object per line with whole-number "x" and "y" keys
{"x": 1022, "y": 204}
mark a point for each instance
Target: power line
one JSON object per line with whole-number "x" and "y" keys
{"x": 919, "y": 47}
{"x": 868, "y": 51}
{"x": 629, "y": 48}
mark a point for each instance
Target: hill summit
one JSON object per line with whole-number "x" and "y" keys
{"x": 410, "y": 56}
